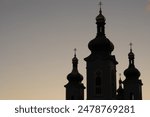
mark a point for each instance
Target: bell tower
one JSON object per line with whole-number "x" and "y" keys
{"x": 132, "y": 83}
{"x": 101, "y": 65}
{"x": 74, "y": 87}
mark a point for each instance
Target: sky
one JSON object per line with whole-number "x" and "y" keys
{"x": 37, "y": 38}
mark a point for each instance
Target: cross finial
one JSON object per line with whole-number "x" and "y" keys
{"x": 100, "y": 3}
{"x": 131, "y": 46}
{"x": 75, "y": 50}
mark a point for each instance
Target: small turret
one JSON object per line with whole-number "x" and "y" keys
{"x": 75, "y": 76}
{"x": 132, "y": 83}
{"x": 74, "y": 87}
{"x": 131, "y": 71}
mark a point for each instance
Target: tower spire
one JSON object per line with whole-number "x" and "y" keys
{"x": 131, "y": 47}
{"x": 100, "y": 4}
{"x": 131, "y": 55}
{"x": 74, "y": 87}
{"x": 75, "y": 50}
{"x": 120, "y": 81}
{"x": 131, "y": 70}
{"x": 100, "y": 43}
{"x": 100, "y": 21}
{"x": 75, "y": 62}
{"x": 132, "y": 83}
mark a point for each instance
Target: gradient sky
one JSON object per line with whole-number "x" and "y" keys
{"x": 37, "y": 38}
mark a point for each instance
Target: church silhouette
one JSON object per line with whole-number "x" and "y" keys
{"x": 101, "y": 72}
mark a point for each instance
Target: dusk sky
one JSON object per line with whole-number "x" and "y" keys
{"x": 37, "y": 38}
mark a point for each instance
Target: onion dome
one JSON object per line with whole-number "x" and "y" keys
{"x": 101, "y": 43}
{"x": 75, "y": 76}
{"x": 131, "y": 71}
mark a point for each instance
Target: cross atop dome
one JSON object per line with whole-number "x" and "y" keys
{"x": 100, "y": 4}
{"x": 75, "y": 50}
{"x": 131, "y": 44}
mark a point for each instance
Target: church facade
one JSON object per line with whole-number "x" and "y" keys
{"x": 101, "y": 72}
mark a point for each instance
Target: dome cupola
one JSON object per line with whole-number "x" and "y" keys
{"x": 75, "y": 76}
{"x": 101, "y": 43}
{"x": 131, "y": 71}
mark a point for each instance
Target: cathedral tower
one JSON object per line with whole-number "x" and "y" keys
{"x": 101, "y": 65}
{"x": 74, "y": 87}
{"x": 132, "y": 83}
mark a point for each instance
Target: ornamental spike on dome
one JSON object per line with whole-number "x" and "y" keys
{"x": 131, "y": 55}
{"x": 75, "y": 50}
{"x": 100, "y": 4}
{"x": 131, "y": 47}
{"x": 120, "y": 81}
{"x": 75, "y": 58}
{"x": 75, "y": 61}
